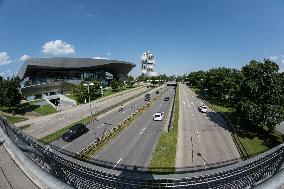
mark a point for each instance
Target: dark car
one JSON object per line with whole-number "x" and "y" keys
{"x": 157, "y": 92}
{"x": 74, "y": 132}
{"x": 167, "y": 98}
{"x": 147, "y": 97}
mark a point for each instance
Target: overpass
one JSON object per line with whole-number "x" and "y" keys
{"x": 49, "y": 168}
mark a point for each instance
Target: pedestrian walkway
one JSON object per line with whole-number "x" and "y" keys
{"x": 11, "y": 176}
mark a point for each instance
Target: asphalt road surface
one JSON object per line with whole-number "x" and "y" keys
{"x": 46, "y": 125}
{"x": 104, "y": 123}
{"x": 135, "y": 145}
{"x": 203, "y": 133}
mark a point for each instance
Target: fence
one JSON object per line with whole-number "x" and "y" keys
{"x": 84, "y": 175}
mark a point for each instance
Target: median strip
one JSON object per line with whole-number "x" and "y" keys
{"x": 163, "y": 159}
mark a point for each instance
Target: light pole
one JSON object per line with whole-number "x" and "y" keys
{"x": 204, "y": 164}
{"x": 88, "y": 85}
{"x": 102, "y": 91}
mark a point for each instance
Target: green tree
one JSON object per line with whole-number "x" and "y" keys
{"x": 10, "y": 92}
{"x": 2, "y": 88}
{"x": 81, "y": 92}
{"x": 260, "y": 98}
{"x": 195, "y": 78}
{"x": 130, "y": 81}
{"x": 114, "y": 85}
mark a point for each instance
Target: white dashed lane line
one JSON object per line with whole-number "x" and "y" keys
{"x": 117, "y": 162}
{"x": 142, "y": 131}
{"x": 197, "y": 133}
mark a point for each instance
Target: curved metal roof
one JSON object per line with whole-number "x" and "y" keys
{"x": 113, "y": 66}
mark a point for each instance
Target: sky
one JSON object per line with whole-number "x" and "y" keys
{"x": 184, "y": 35}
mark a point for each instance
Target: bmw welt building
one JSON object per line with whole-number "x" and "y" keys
{"x": 48, "y": 76}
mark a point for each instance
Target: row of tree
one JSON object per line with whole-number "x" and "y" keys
{"x": 81, "y": 91}
{"x": 256, "y": 91}
{"x": 9, "y": 92}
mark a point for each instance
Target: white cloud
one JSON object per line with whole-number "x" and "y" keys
{"x": 91, "y": 15}
{"x": 98, "y": 57}
{"x": 4, "y": 58}
{"x": 24, "y": 57}
{"x": 273, "y": 57}
{"x": 108, "y": 53}
{"x": 282, "y": 61}
{"x": 58, "y": 47}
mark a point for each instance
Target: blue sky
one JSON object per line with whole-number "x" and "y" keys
{"x": 184, "y": 35}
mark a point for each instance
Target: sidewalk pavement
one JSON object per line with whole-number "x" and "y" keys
{"x": 11, "y": 176}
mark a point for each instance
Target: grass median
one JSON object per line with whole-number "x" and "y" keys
{"x": 24, "y": 127}
{"x": 163, "y": 159}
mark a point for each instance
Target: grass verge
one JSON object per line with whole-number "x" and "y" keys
{"x": 24, "y": 127}
{"x": 45, "y": 110}
{"x": 163, "y": 159}
{"x": 15, "y": 119}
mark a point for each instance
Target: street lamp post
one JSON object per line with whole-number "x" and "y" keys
{"x": 88, "y": 85}
{"x": 204, "y": 164}
{"x": 102, "y": 91}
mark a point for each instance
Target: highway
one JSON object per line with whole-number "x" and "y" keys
{"x": 104, "y": 123}
{"x": 46, "y": 125}
{"x": 136, "y": 144}
{"x": 206, "y": 134}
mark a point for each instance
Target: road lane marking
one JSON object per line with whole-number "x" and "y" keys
{"x": 30, "y": 131}
{"x": 197, "y": 134}
{"x": 142, "y": 131}
{"x": 66, "y": 145}
{"x": 117, "y": 162}
{"x": 192, "y": 150}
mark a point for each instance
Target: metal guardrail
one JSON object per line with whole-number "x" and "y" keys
{"x": 80, "y": 174}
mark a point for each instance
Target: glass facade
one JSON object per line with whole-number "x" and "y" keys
{"x": 43, "y": 76}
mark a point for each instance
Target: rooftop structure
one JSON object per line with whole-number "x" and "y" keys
{"x": 148, "y": 64}
{"x": 46, "y": 76}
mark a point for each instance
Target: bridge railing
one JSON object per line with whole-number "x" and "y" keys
{"x": 81, "y": 174}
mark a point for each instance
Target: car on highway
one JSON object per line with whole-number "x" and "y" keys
{"x": 158, "y": 116}
{"x": 167, "y": 98}
{"x": 74, "y": 132}
{"x": 147, "y": 97}
{"x": 202, "y": 108}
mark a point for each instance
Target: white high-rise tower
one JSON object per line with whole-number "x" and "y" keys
{"x": 148, "y": 65}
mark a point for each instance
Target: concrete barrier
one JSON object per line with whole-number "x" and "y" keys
{"x": 37, "y": 175}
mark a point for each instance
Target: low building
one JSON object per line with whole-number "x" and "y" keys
{"x": 49, "y": 76}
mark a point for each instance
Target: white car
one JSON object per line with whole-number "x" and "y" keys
{"x": 158, "y": 116}
{"x": 202, "y": 108}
